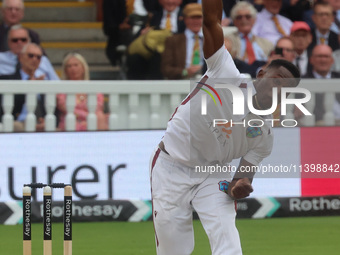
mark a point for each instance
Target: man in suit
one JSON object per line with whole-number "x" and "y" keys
{"x": 169, "y": 18}
{"x": 29, "y": 59}
{"x": 171, "y": 9}
{"x": 183, "y": 54}
{"x": 246, "y": 46}
{"x": 12, "y": 14}
{"x": 114, "y": 21}
{"x": 323, "y": 17}
{"x": 336, "y": 7}
{"x": 321, "y": 60}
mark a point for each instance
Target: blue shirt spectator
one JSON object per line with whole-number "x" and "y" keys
{"x": 271, "y": 25}
{"x": 9, "y": 61}
{"x": 18, "y": 37}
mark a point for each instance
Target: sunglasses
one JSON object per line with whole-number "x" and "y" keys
{"x": 31, "y": 55}
{"x": 247, "y": 16}
{"x": 15, "y": 40}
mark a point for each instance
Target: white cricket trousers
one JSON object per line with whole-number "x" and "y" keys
{"x": 175, "y": 193}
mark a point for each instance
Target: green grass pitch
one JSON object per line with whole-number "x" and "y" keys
{"x": 293, "y": 236}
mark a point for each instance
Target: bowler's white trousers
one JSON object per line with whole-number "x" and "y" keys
{"x": 175, "y": 193}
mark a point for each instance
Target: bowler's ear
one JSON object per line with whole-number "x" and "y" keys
{"x": 260, "y": 74}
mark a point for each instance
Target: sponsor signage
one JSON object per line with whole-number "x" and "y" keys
{"x": 115, "y": 165}
{"x": 98, "y": 165}
{"x": 141, "y": 210}
{"x": 82, "y": 211}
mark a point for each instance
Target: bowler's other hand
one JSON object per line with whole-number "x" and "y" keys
{"x": 240, "y": 188}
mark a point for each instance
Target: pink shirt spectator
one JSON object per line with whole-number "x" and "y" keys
{"x": 80, "y": 111}
{"x": 75, "y": 68}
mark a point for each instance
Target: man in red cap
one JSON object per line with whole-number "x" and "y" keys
{"x": 301, "y": 35}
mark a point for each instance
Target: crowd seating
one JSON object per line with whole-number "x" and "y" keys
{"x": 132, "y": 104}
{"x": 75, "y": 25}
{"x": 72, "y": 25}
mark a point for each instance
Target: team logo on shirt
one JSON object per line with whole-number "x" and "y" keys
{"x": 223, "y": 186}
{"x": 253, "y": 132}
{"x": 226, "y": 129}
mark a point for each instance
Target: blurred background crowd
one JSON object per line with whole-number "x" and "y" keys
{"x": 256, "y": 32}
{"x": 162, "y": 39}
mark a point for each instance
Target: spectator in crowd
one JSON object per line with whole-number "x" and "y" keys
{"x": 301, "y": 36}
{"x": 12, "y": 13}
{"x": 152, "y": 5}
{"x": 285, "y": 47}
{"x": 116, "y": 27}
{"x": 163, "y": 23}
{"x": 247, "y": 46}
{"x": 336, "y": 56}
{"x": 76, "y": 68}
{"x": 321, "y": 60}
{"x": 169, "y": 17}
{"x": 29, "y": 59}
{"x": 18, "y": 37}
{"x": 183, "y": 54}
{"x": 141, "y": 12}
{"x": 336, "y": 8}
{"x": 323, "y": 17}
{"x": 295, "y": 9}
{"x": 270, "y": 24}
{"x": 227, "y": 6}
{"x": 241, "y": 65}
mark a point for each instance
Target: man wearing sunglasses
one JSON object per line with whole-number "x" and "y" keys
{"x": 29, "y": 59}
{"x": 250, "y": 52}
{"x": 18, "y": 37}
{"x": 12, "y": 13}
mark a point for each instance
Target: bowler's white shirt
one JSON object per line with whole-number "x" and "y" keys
{"x": 190, "y": 137}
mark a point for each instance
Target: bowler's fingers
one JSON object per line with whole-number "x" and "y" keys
{"x": 241, "y": 190}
